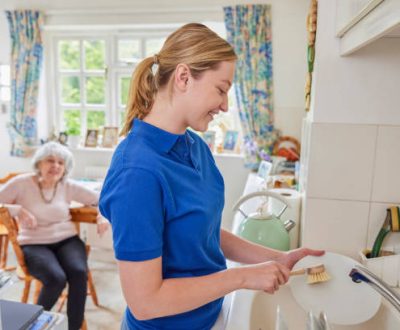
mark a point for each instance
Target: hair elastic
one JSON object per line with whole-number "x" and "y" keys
{"x": 154, "y": 67}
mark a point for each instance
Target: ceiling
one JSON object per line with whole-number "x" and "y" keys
{"x": 104, "y": 4}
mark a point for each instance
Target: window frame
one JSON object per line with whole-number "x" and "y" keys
{"x": 115, "y": 70}
{"x": 82, "y": 73}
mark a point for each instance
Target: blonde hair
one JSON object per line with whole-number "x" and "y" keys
{"x": 194, "y": 45}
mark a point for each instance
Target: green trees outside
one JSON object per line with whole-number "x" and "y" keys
{"x": 93, "y": 69}
{"x": 82, "y": 73}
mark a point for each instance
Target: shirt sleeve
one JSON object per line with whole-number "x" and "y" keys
{"x": 8, "y": 196}
{"x": 82, "y": 194}
{"x": 9, "y": 191}
{"x": 132, "y": 201}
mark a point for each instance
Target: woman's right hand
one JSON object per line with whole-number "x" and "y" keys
{"x": 266, "y": 276}
{"x": 26, "y": 219}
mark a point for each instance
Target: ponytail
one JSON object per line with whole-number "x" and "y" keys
{"x": 193, "y": 44}
{"x": 142, "y": 91}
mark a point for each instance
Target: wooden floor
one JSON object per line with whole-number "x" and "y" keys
{"x": 112, "y": 305}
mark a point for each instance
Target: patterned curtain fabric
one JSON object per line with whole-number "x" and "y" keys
{"x": 26, "y": 59}
{"x": 249, "y": 32}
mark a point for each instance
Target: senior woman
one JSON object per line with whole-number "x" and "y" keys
{"x": 53, "y": 251}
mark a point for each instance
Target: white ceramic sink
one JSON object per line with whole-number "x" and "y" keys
{"x": 253, "y": 310}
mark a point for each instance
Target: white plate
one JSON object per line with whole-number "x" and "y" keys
{"x": 343, "y": 301}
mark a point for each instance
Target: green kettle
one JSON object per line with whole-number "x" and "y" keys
{"x": 263, "y": 227}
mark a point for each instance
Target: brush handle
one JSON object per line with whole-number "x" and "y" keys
{"x": 298, "y": 272}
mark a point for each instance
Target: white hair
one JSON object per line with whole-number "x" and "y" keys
{"x": 53, "y": 149}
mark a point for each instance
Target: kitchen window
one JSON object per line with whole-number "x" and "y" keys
{"x": 5, "y": 94}
{"x": 92, "y": 72}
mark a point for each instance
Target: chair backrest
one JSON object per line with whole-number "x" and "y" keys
{"x": 12, "y": 227}
{"x": 8, "y": 177}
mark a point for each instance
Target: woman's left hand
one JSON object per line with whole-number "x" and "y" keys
{"x": 102, "y": 226}
{"x": 290, "y": 258}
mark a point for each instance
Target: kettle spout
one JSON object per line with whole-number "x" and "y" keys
{"x": 289, "y": 224}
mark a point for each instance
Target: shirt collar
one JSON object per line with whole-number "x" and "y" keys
{"x": 162, "y": 140}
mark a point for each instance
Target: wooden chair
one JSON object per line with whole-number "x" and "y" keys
{"x": 3, "y": 232}
{"x": 3, "y": 246}
{"x": 79, "y": 215}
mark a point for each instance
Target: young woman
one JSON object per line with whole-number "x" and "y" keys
{"x": 164, "y": 194}
{"x": 53, "y": 251}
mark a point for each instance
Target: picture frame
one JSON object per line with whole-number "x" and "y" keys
{"x": 91, "y": 139}
{"x": 230, "y": 141}
{"x": 63, "y": 138}
{"x": 264, "y": 169}
{"x": 110, "y": 137}
{"x": 209, "y": 139}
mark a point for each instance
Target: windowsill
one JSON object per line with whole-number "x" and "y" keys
{"x": 111, "y": 150}
{"x": 92, "y": 149}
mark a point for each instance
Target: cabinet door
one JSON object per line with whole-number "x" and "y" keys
{"x": 349, "y": 12}
{"x": 382, "y": 20}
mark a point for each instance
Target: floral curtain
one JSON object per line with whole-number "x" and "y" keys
{"x": 249, "y": 32}
{"x": 26, "y": 60}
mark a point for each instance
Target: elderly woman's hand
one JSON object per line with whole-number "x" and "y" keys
{"x": 102, "y": 225}
{"x": 26, "y": 219}
{"x": 290, "y": 258}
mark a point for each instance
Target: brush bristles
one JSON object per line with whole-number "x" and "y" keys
{"x": 318, "y": 277}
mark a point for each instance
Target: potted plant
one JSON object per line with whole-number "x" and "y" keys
{"x": 74, "y": 136}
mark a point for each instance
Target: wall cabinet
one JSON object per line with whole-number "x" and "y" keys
{"x": 360, "y": 22}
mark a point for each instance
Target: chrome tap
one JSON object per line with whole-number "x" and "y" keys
{"x": 361, "y": 274}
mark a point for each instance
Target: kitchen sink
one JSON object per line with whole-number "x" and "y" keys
{"x": 255, "y": 310}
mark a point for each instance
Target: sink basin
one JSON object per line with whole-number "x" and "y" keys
{"x": 254, "y": 310}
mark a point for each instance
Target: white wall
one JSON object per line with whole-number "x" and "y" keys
{"x": 4, "y": 40}
{"x": 350, "y": 171}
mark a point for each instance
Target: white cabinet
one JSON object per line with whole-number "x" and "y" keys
{"x": 350, "y": 12}
{"x": 360, "y": 22}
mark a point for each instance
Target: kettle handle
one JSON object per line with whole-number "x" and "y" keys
{"x": 258, "y": 194}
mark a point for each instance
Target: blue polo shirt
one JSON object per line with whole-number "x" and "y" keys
{"x": 164, "y": 196}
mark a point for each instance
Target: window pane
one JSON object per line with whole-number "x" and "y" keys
{"x": 129, "y": 50}
{"x": 94, "y": 54}
{"x": 122, "y": 118}
{"x": 72, "y": 122}
{"x": 70, "y": 90}
{"x": 95, "y": 119}
{"x": 5, "y": 75}
{"x": 153, "y": 46}
{"x": 5, "y": 94}
{"x": 95, "y": 90}
{"x": 68, "y": 51}
{"x": 124, "y": 90}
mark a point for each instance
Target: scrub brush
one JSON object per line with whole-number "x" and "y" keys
{"x": 391, "y": 224}
{"x": 315, "y": 274}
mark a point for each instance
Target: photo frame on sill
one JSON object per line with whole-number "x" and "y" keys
{"x": 209, "y": 139}
{"x": 230, "y": 141}
{"x": 110, "y": 137}
{"x": 63, "y": 138}
{"x": 264, "y": 169}
{"x": 92, "y": 136}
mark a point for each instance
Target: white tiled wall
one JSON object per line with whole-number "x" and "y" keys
{"x": 386, "y": 183}
{"x": 341, "y": 161}
{"x": 353, "y": 176}
{"x": 337, "y": 226}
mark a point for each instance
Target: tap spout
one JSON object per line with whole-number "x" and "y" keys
{"x": 361, "y": 274}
